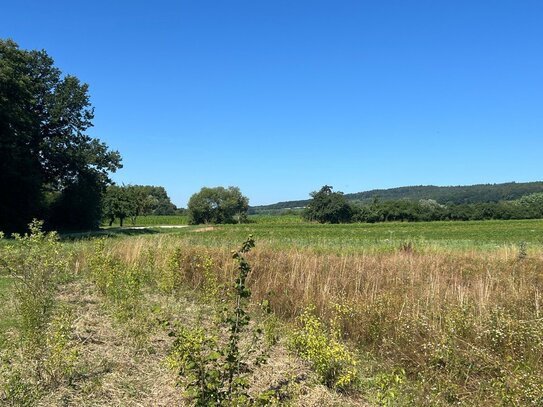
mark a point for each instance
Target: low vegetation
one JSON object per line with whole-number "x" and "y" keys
{"x": 414, "y": 324}
{"x": 39, "y": 355}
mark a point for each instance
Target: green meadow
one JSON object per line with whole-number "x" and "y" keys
{"x": 291, "y": 231}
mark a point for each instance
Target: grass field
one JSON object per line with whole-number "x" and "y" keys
{"x": 429, "y": 314}
{"x": 152, "y": 220}
{"x": 292, "y": 231}
{"x": 285, "y": 233}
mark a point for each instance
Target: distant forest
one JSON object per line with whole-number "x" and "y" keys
{"x": 452, "y": 195}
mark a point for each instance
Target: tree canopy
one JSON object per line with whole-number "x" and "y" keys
{"x": 118, "y": 203}
{"x": 452, "y": 195}
{"x": 132, "y": 201}
{"x": 218, "y": 205}
{"x": 45, "y": 154}
{"x": 328, "y": 207}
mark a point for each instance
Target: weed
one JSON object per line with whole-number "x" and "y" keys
{"x": 214, "y": 369}
{"x": 121, "y": 285}
{"x": 270, "y": 324}
{"x": 35, "y": 263}
{"x": 210, "y": 286}
{"x": 61, "y": 356}
{"x": 387, "y": 387}
{"x": 333, "y": 362}
{"x": 522, "y": 250}
{"x": 118, "y": 282}
{"x": 45, "y": 357}
{"x": 17, "y": 389}
{"x": 407, "y": 247}
{"x": 168, "y": 278}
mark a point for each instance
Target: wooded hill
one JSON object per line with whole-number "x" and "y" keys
{"x": 462, "y": 194}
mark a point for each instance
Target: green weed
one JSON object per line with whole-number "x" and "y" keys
{"x": 41, "y": 354}
{"x": 214, "y": 368}
{"x": 321, "y": 346}
{"x": 122, "y": 286}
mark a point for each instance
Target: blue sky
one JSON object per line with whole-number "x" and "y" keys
{"x": 281, "y": 97}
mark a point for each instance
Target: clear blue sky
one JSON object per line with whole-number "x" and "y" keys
{"x": 281, "y": 97}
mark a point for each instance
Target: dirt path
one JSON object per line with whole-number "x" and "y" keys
{"x": 154, "y": 227}
{"x": 112, "y": 372}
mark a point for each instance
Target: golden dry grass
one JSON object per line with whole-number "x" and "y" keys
{"x": 464, "y": 321}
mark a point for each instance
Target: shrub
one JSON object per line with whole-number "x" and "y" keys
{"x": 118, "y": 282}
{"x": 35, "y": 263}
{"x": 214, "y": 369}
{"x": 122, "y": 286}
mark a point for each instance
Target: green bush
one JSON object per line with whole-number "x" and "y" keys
{"x": 35, "y": 262}
{"x": 333, "y": 362}
{"x": 214, "y": 368}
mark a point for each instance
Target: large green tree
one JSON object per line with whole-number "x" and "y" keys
{"x": 119, "y": 202}
{"x": 153, "y": 200}
{"x": 44, "y": 148}
{"x": 328, "y": 206}
{"x": 218, "y": 205}
{"x": 131, "y": 201}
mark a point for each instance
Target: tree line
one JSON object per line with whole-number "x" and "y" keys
{"x": 208, "y": 206}
{"x": 328, "y": 206}
{"x": 451, "y": 195}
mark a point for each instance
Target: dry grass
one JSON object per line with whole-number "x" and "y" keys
{"x": 114, "y": 368}
{"x": 111, "y": 371}
{"x": 465, "y": 325}
{"x": 420, "y": 283}
{"x": 431, "y": 326}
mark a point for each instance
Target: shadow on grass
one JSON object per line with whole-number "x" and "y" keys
{"x": 110, "y": 232}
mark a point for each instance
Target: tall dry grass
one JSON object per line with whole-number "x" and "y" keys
{"x": 466, "y": 326}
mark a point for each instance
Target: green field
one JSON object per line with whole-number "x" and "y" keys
{"x": 291, "y": 232}
{"x": 152, "y": 220}
{"x": 155, "y": 220}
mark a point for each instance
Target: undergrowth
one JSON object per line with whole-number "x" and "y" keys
{"x": 408, "y": 326}
{"x": 39, "y": 355}
{"x": 215, "y": 364}
{"x": 122, "y": 285}
{"x": 322, "y": 347}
